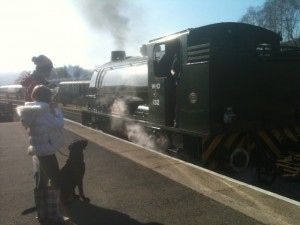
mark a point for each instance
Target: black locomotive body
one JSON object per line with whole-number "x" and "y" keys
{"x": 233, "y": 99}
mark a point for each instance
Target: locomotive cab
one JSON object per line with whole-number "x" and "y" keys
{"x": 163, "y": 82}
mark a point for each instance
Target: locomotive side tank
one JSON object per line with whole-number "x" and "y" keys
{"x": 119, "y": 88}
{"x": 229, "y": 90}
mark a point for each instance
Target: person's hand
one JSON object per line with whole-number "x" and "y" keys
{"x": 53, "y": 104}
{"x": 30, "y": 152}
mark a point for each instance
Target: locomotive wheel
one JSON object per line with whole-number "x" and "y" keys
{"x": 266, "y": 174}
{"x": 239, "y": 159}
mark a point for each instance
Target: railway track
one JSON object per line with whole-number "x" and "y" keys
{"x": 72, "y": 114}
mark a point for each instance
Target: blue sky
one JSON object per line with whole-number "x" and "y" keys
{"x": 62, "y": 30}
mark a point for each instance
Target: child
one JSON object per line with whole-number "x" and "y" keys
{"x": 44, "y": 123}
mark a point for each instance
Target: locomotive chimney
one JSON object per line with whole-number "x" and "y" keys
{"x": 118, "y": 55}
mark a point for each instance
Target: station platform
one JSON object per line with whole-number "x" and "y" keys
{"x": 132, "y": 185}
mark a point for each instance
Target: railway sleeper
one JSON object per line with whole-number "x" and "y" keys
{"x": 289, "y": 167}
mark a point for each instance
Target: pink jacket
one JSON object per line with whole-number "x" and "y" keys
{"x": 30, "y": 82}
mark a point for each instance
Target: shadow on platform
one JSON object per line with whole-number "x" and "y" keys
{"x": 85, "y": 213}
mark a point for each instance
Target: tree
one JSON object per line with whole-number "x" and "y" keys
{"x": 291, "y": 19}
{"x": 59, "y": 73}
{"x": 280, "y": 16}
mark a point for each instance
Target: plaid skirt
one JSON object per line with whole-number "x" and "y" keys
{"x": 48, "y": 205}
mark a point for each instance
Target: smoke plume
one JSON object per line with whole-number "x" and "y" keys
{"x": 106, "y": 16}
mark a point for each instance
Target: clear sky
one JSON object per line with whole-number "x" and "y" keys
{"x": 84, "y": 32}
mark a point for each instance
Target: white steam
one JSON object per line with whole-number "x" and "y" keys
{"x": 118, "y": 108}
{"x": 138, "y": 135}
{"x": 134, "y": 132}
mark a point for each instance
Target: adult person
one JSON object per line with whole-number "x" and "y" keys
{"x": 175, "y": 74}
{"x": 43, "y": 68}
{"x": 169, "y": 67}
{"x": 44, "y": 123}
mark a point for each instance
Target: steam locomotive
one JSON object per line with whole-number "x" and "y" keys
{"x": 234, "y": 99}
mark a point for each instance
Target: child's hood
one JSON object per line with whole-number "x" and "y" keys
{"x": 30, "y": 111}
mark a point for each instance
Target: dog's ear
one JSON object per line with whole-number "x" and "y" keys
{"x": 73, "y": 143}
{"x": 78, "y": 143}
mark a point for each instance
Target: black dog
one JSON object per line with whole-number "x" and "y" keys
{"x": 72, "y": 173}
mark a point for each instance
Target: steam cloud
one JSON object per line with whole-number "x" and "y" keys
{"x": 106, "y": 16}
{"x": 136, "y": 133}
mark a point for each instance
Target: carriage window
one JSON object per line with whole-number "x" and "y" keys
{"x": 159, "y": 52}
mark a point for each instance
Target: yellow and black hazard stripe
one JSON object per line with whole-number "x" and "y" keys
{"x": 274, "y": 138}
{"x": 215, "y": 144}
{"x": 265, "y": 140}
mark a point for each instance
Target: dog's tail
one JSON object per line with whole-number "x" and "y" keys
{"x": 29, "y": 210}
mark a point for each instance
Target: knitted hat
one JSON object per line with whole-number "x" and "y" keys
{"x": 43, "y": 64}
{"x": 41, "y": 93}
